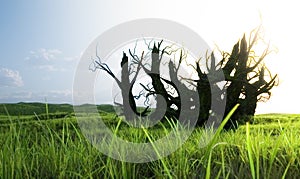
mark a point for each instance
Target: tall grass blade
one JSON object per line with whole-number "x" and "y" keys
{"x": 157, "y": 153}
{"x": 220, "y": 128}
{"x": 47, "y": 108}
{"x": 251, "y": 162}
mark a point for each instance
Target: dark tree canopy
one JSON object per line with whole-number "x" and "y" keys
{"x": 246, "y": 81}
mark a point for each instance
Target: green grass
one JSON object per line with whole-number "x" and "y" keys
{"x": 34, "y": 147}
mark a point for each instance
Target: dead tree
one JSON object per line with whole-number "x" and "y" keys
{"x": 246, "y": 83}
{"x": 246, "y": 79}
{"x": 125, "y": 84}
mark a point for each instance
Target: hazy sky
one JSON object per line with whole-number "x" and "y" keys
{"x": 41, "y": 41}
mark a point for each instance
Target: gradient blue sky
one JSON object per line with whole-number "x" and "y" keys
{"x": 41, "y": 41}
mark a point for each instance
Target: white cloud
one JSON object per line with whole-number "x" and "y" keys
{"x": 70, "y": 59}
{"x": 50, "y": 54}
{"x": 23, "y": 95}
{"x": 50, "y": 60}
{"x": 52, "y": 96}
{"x": 50, "y": 68}
{"x": 10, "y": 78}
{"x": 16, "y": 96}
{"x": 66, "y": 92}
{"x": 46, "y": 54}
{"x": 55, "y": 96}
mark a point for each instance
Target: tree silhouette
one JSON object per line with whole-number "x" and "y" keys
{"x": 246, "y": 77}
{"x": 247, "y": 81}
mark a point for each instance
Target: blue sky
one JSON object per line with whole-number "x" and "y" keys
{"x": 41, "y": 41}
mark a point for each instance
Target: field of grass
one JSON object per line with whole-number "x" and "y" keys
{"x": 51, "y": 145}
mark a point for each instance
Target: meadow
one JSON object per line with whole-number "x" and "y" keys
{"x": 45, "y": 141}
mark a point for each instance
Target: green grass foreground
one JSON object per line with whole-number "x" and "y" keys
{"x": 41, "y": 146}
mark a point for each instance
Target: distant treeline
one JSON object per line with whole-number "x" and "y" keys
{"x": 16, "y": 109}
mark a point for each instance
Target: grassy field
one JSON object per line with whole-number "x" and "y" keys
{"x": 49, "y": 144}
